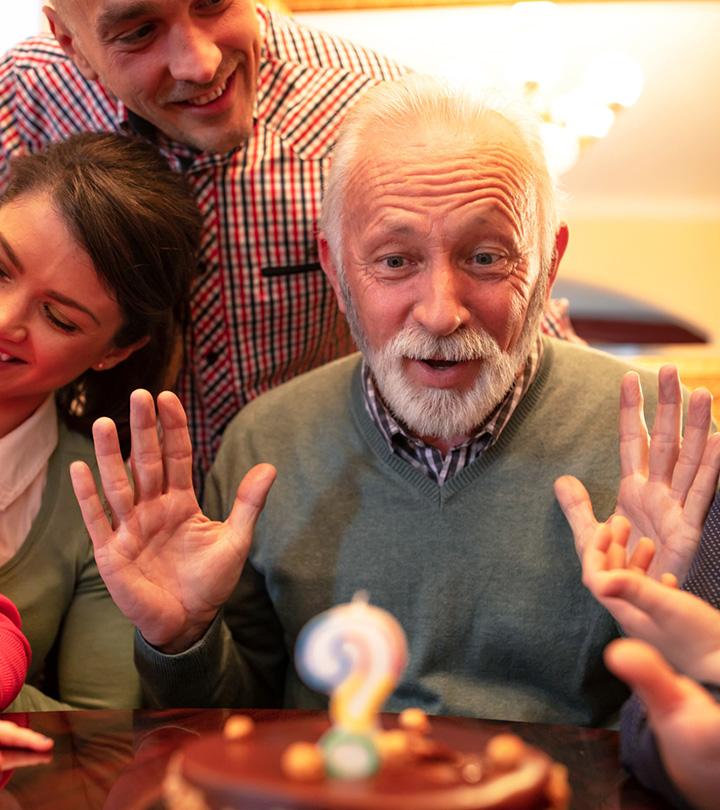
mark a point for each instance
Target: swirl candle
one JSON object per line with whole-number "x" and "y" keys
{"x": 356, "y": 653}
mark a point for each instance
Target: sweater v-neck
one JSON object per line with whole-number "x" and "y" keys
{"x": 413, "y": 477}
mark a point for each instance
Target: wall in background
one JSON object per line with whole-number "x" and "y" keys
{"x": 19, "y": 20}
{"x": 643, "y": 204}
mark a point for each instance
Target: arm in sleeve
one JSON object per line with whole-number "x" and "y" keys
{"x": 703, "y": 578}
{"x": 95, "y": 652}
{"x": 14, "y": 653}
{"x": 242, "y": 667}
{"x": 640, "y": 756}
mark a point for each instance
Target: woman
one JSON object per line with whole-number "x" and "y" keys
{"x": 98, "y": 243}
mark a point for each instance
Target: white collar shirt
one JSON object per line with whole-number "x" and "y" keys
{"x": 24, "y": 458}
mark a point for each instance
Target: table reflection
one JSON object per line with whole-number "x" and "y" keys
{"x": 116, "y": 760}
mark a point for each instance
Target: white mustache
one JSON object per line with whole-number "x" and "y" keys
{"x": 466, "y": 344}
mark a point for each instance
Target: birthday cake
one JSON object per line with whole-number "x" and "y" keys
{"x": 353, "y": 758}
{"x": 454, "y": 765}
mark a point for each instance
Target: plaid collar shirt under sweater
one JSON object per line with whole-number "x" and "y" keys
{"x": 430, "y": 460}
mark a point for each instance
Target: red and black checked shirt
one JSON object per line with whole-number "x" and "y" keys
{"x": 261, "y": 310}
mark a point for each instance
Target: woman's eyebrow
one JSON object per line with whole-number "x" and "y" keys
{"x": 11, "y": 253}
{"x": 70, "y": 302}
{"x": 56, "y": 296}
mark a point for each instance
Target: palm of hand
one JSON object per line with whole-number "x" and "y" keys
{"x": 158, "y": 581}
{"x": 667, "y": 480}
{"x": 654, "y": 512}
{"x": 167, "y": 566}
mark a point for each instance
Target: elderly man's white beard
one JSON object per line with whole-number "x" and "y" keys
{"x": 439, "y": 412}
{"x": 443, "y": 413}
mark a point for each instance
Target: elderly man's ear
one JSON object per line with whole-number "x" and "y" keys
{"x": 561, "y": 242}
{"x": 327, "y": 262}
{"x": 68, "y": 42}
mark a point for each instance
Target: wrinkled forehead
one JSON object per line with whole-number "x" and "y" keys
{"x": 445, "y": 172}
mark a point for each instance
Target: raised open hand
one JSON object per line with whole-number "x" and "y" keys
{"x": 167, "y": 567}
{"x": 667, "y": 482}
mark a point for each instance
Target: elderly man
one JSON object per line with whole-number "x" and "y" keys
{"x": 421, "y": 470}
{"x": 247, "y": 103}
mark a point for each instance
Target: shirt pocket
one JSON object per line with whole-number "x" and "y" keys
{"x": 272, "y": 271}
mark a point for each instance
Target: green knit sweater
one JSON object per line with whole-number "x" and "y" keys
{"x": 481, "y": 572}
{"x": 81, "y": 643}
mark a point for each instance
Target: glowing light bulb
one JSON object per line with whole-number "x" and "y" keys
{"x": 561, "y": 147}
{"x": 614, "y": 78}
{"x": 582, "y": 114}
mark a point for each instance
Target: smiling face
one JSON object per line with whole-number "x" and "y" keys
{"x": 187, "y": 66}
{"x": 440, "y": 275}
{"x": 56, "y": 318}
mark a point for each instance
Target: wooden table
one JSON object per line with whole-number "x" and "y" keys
{"x": 116, "y": 760}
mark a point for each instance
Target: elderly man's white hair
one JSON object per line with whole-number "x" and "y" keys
{"x": 418, "y": 101}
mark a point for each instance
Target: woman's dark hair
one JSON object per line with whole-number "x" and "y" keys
{"x": 138, "y": 222}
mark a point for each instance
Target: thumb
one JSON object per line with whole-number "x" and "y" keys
{"x": 577, "y": 508}
{"x": 642, "y": 667}
{"x": 250, "y": 498}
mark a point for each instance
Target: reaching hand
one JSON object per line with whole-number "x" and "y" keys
{"x": 685, "y": 629}
{"x": 167, "y": 566}
{"x": 683, "y": 716}
{"x": 666, "y": 484}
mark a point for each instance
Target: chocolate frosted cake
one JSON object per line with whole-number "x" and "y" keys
{"x": 436, "y": 764}
{"x": 352, "y": 758}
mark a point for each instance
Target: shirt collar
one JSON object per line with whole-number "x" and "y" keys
{"x": 26, "y": 450}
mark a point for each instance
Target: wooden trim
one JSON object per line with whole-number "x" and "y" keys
{"x": 352, "y": 5}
